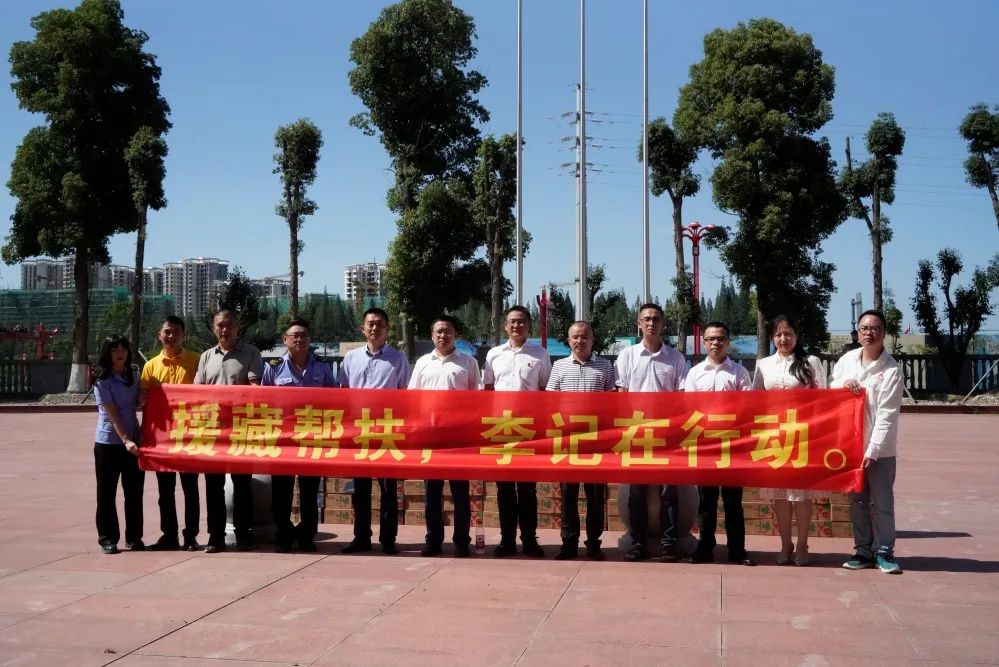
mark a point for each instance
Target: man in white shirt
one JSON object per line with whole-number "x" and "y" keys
{"x": 872, "y": 511}
{"x": 517, "y": 365}
{"x": 648, "y": 366}
{"x": 446, "y": 368}
{"x": 718, "y": 372}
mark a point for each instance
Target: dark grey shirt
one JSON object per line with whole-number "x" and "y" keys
{"x": 240, "y": 365}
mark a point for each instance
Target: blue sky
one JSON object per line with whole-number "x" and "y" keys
{"x": 234, "y": 72}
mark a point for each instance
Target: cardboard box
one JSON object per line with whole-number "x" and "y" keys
{"x": 841, "y": 528}
{"x": 820, "y": 512}
{"x": 339, "y": 501}
{"x": 341, "y": 516}
{"x": 839, "y": 513}
{"x": 339, "y": 485}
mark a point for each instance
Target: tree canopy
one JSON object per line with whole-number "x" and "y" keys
{"x": 87, "y": 75}
{"x": 295, "y": 162}
{"x": 980, "y": 128}
{"x": 754, "y": 100}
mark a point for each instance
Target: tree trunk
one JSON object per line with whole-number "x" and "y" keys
{"x": 681, "y": 267}
{"x": 762, "y": 341}
{"x": 408, "y": 339}
{"x": 876, "y": 246}
{"x": 137, "y": 285}
{"x": 991, "y": 184}
{"x": 495, "y": 282}
{"x": 81, "y": 320}
{"x": 293, "y": 251}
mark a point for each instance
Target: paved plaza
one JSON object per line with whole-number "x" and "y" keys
{"x": 62, "y": 602}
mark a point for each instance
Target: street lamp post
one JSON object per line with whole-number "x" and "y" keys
{"x": 695, "y": 232}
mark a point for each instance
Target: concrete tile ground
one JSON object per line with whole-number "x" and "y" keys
{"x": 64, "y": 603}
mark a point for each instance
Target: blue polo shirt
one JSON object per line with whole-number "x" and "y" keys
{"x": 114, "y": 391}
{"x": 387, "y": 368}
{"x": 283, "y": 373}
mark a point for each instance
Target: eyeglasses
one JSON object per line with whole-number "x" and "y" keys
{"x": 715, "y": 339}
{"x": 650, "y": 320}
{"x": 869, "y": 329}
{"x": 517, "y": 323}
{"x": 297, "y": 336}
{"x": 444, "y": 333}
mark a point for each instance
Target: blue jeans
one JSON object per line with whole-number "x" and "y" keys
{"x": 435, "y": 512}
{"x": 872, "y": 511}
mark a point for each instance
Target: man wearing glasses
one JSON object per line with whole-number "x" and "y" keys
{"x": 517, "y": 365}
{"x": 872, "y": 511}
{"x": 651, "y": 365}
{"x": 297, "y": 368}
{"x": 377, "y": 365}
{"x": 718, "y": 372}
{"x": 446, "y": 368}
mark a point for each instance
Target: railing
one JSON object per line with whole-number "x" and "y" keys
{"x": 15, "y": 377}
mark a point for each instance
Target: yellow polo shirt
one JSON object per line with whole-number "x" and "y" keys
{"x": 170, "y": 370}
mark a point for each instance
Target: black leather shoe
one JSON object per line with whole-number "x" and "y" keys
{"x": 701, "y": 557}
{"x": 244, "y": 543}
{"x": 165, "y": 544}
{"x": 191, "y": 545}
{"x": 138, "y": 545}
{"x": 307, "y": 546}
{"x": 356, "y": 548}
{"x": 282, "y": 548}
{"x": 504, "y": 550}
{"x": 462, "y": 551}
{"x": 390, "y": 549}
{"x": 109, "y": 549}
{"x": 215, "y": 547}
{"x": 533, "y": 549}
{"x": 635, "y": 554}
{"x": 567, "y": 552}
{"x": 742, "y": 559}
{"x": 595, "y": 553}
{"x": 671, "y": 554}
{"x": 431, "y": 550}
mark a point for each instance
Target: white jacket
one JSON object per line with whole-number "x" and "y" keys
{"x": 882, "y": 381}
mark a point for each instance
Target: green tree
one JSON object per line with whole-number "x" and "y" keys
{"x": 295, "y": 162}
{"x": 144, "y": 156}
{"x": 609, "y": 313}
{"x": 495, "y": 185}
{"x": 893, "y": 320}
{"x": 671, "y": 160}
{"x": 874, "y": 179}
{"x": 682, "y": 310}
{"x": 411, "y": 71}
{"x": 964, "y": 308}
{"x": 754, "y": 99}
{"x": 432, "y": 266}
{"x": 238, "y": 296}
{"x": 87, "y": 75}
{"x": 981, "y": 130}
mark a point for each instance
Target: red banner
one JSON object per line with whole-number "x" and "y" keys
{"x": 784, "y": 439}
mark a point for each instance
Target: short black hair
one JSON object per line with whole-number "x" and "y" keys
{"x": 654, "y": 306}
{"x": 375, "y": 311}
{"x": 445, "y": 318}
{"x": 519, "y": 309}
{"x": 874, "y": 313}
{"x": 298, "y": 322}
{"x": 716, "y": 324}
{"x": 176, "y": 321}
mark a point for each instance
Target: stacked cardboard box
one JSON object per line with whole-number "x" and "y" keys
{"x": 830, "y": 514}
{"x": 339, "y": 494}
{"x": 549, "y": 506}
{"x": 413, "y": 497}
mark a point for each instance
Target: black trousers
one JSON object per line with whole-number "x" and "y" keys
{"x": 707, "y": 519}
{"x": 595, "y": 497}
{"x": 434, "y": 509}
{"x": 282, "y": 494}
{"x": 167, "y": 483}
{"x": 242, "y": 505}
{"x": 638, "y": 512}
{"x": 518, "y": 501}
{"x": 112, "y": 462}
{"x": 388, "y": 514}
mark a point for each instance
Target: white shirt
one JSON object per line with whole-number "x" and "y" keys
{"x": 455, "y": 371}
{"x": 508, "y": 368}
{"x": 882, "y": 379}
{"x": 774, "y": 372}
{"x": 727, "y": 376}
{"x": 640, "y": 369}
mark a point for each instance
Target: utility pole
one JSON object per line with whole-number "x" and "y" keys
{"x": 646, "y": 241}
{"x": 520, "y": 155}
{"x": 583, "y": 306}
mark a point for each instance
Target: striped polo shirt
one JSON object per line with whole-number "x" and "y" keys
{"x": 596, "y": 374}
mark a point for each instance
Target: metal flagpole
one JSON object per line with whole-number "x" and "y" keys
{"x": 520, "y": 155}
{"x": 584, "y": 306}
{"x": 646, "y": 279}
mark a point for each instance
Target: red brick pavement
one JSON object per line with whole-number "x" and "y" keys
{"x": 64, "y": 603}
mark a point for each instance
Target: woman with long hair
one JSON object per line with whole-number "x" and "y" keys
{"x": 116, "y": 454}
{"x": 789, "y": 368}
